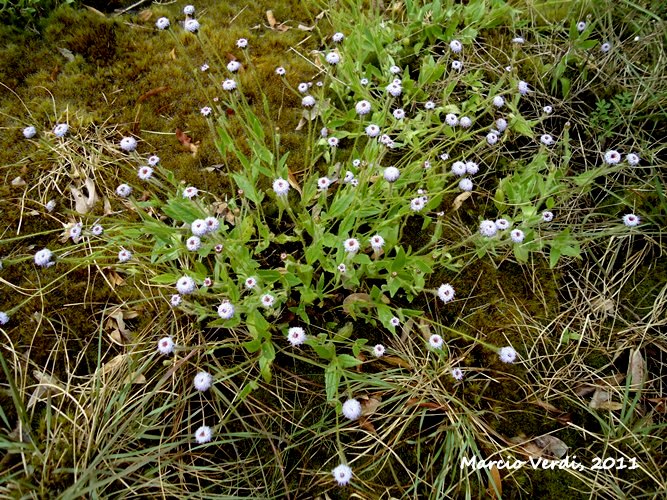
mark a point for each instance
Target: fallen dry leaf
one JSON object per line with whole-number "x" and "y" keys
{"x": 45, "y": 386}
{"x": 366, "y": 424}
{"x": 152, "y": 92}
{"x": 495, "y": 483}
{"x": 356, "y": 298}
{"x": 395, "y": 360}
{"x": 145, "y": 15}
{"x": 271, "y": 18}
{"x": 636, "y": 370}
{"x": 369, "y": 405}
{"x": 173, "y": 54}
{"x": 305, "y": 28}
{"x": 186, "y": 141}
{"x": 551, "y": 445}
{"x": 458, "y": 201}
{"x": 84, "y": 204}
{"x": 601, "y": 400}
{"x": 291, "y": 178}
{"x": 18, "y": 181}
{"x": 113, "y": 278}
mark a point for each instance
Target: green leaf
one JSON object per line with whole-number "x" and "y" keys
{"x": 166, "y": 279}
{"x": 248, "y": 188}
{"x": 332, "y": 375}
{"x": 266, "y": 359}
{"x": 347, "y": 361}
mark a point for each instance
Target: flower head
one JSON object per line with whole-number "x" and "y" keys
{"x": 267, "y": 300}
{"x": 308, "y": 101}
{"x": 323, "y": 183}
{"x": 144, "y": 173}
{"x": 123, "y": 190}
{"x": 507, "y": 354}
{"x": 199, "y": 227}
{"x": 342, "y": 268}
{"x": 241, "y": 43}
{"x": 185, "y": 285}
{"x": 394, "y": 70}
{"x": 372, "y": 130}
{"x": 581, "y": 26}
{"x": 124, "y": 255}
{"x": 605, "y": 47}
{"x": 162, "y": 23}
{"x": 391, "y": 174}
{"x": 203, "y": 434}
{"x": 229, "y": 84}
{"x": 399, "y": 114}
{"x": 333, "y": 142}
{"x": 97, "y": 230}
{"x": 457, "y": 373}
{"x": 547, "y": 216}
{"x": 394, "y": 89}
{"x": 191, "y": 25}
{"x": 61, "y": 129}
{"x": 332, "y": 58}
{"x": 446, "y": 292}
{"x": 517, "y": 235}
{"x": 378, "y": 350}
{"x": 487, "y": 228}
{"x": 281, "y": 186}
{"x": 363, "y": 81}
{"x": 429, "y": 105}
{"x": 352, "y": 409}
{"x": 203, "y": 381}
{"x": 502, "y": 224}
{"x": 42, "y": 258}
{"x": 338, "y": 37}
{"x": 451, "y": 120}
{"x": 633, "y": 159}
{"x": 165, "y": 345}
{"x": 75, "y": 231}
{"x": 546, "y": 139}
{"x": 212, "y": 224}
{"x": 435, "y": 341}
{"x": 459, "y": 168}
{"x": 455, "y": 46}
{"x": 612, "y": 157}
{"x": 548, "y": 109}
{"x": 394, "y": 321}
{"x": 190, "y": 192}
{"x": 4, "y": 319}
{"x": 206, "y": 110}
{"x": 417, "y": 204}
{"x": 519, "y": 40}
{"x": 377, "y": 242}
{"x": 296, "y": 335}
{"x": 193, "y": 243}
{"x": 50, "y": 205}
{"x": 175, "y": 300}
{"x": 363, "y": 107}
{"x": 29, "y": 132}
{"x": 491, "y": 138}
{"x": 204, "y": 67}
{"x": 280, "y": 71}
{"x": 128, "y": 144}
{"x": 466, "y": 184}
{"x": 226, "y": 310}
{"x": 189, "y": 10}
{"x": 631, "y": 220}
{"x": 471, "y": 167}
{"x": 351, "y": 245}
{"x": 250, "y": 283}
{"x": 523, "y": 87}
{"x": 498, "y": 101}
{"x": 465, "y": 122}
{"x": 501, "y": 124}
{"x": 342, "y": 474}
{"x": 233, "y": 66}
{"x": 457, "y": 65}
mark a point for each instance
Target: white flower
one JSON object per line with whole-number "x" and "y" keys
{"x": 394, "y": 70}
{"x": 241, "y": 43}
{"x": 267, "y": 300}
{"x": 191, "y": 25}
{"x": 97, "y": 230}
{"x": 517, "y": 235}
{"x": 207, "y": 282}
{"x": 605, "y": 47}
{"x": 581, "y": 26}
{"x": 144, "y": 173}
{"x": 501, "y": 124}
{"x": 204, "y": 67}
{"x": 29, "y": 132}
{"x": 123, "y": 190}
{"x": 280, "y": 71}
{"x": 332, "y": 58}
{"x": 233, "y": 66}
{"x": 323, "y": 183}
{"x": 296, "y": 335}
{"x": 203, "y": 434}
{"x": 128, "y": 144}
{"x": 502, "y": 224}
{"x": 153, "y": 160}
{"x": 417, "y": 204}
{"x": 457, "y": 65}
{"x": 471, "y": 167}
{"x": 205, "y": 111}
{"x": 342, "y": 268}
{"x": 631, "y": 220}
{"x": 372, "y": 130}
{"x": 61, "y": 129}
{"x": 378, "y": 350}
{"x": 4, "y": 319}
{"x": 226, "y": 310}
{"x": 43, "y": 258}
{"x": 548, "y": 110}
{"x": 349, "y": 177}
{"x": 229, "y": 84}
{"x": 435, "y": 341}
{"x": 546, "y": 139}
{"x": 363, "y": 107}
{"x": 399, "y": 114}
{"x": 491, "y": 138}
{"x": 342, "y": 474}
{"x": 124, "y": 255}
{"x": 352, "y": 409}
{"x": 75, "y": 231}
{"x": 333, "y": 142}
{"x": 632, "y": 159}
{"x": 212, "y": 224}
{"x": 308, "y": 101}
{"x": 427, "y": 164}
{"x": 394, "y": 89}
{"x": 324, "y": 132}
{"x": 508, "y": 68}
{"x": 523, "y": 87}
{"x": 203, "y": 381}
{"x": 189, "y": 10}
{"x": 456, "y": 46}
{"x": 446, "y": 292}
{"x": 199, "y": 227}
{"x": 507, "y": 354}
{"x": 338, "y": 37}
{"x": 498, "y": 101}
{"x": 185, "y": 285}
{"x": 175, "y": 300}
{"x": 162, "y": 23}
{"x": 363, "y": 81}
{"x": 50, "y": 205}
{"x": 281, "y": 186}
{"x": 165, "y": 345}
{"x": 612, "y": 157}
{"x": 193, "y": 243}
{"x": 429, "y": 105}
{"x": 190, "y": 192}
{"x": 394, "y": 321}
{"x": 356, "y": 162}
{"x": 487, "y": 228}
{"x": 351, "y": 245}
{"x": 218, "y": 248}
{"x": 518, "y": 39}
{"x": 465, "y": 184}
{"x": 377, "y": 242}
{"x": 459, "y": 168}
{"x": 547, "y": 216}
{"x": 303, "y": 87}
{"x": 451, "y": 119}
{"x": 465, "y": 122}
{"x": 457, "y": 373}
{"x": 391, "y": 174}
